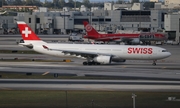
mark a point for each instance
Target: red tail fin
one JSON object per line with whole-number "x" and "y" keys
{"x": 26, "y": 32}
{"x": 89, "y": 29}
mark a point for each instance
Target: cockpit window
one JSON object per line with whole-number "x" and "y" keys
{"x": 164, "y": 51}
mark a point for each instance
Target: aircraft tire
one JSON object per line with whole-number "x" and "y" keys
{"x": 85, "y": 63}
{"x": 93, "y": 63}
{"x": 154, "y": 64}
{"x": 89, "y": 63}
{"x": 96, "y": 63}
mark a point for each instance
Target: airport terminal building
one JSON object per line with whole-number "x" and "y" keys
{"x": 102, "y": 19}
{"x": 113, "y": 17}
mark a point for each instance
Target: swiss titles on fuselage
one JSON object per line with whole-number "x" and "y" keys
{"x": 132, "y": 50}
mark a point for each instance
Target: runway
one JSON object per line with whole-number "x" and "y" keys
{"x": 123, "y": 71}
{"x": 140, "y": 75}
{"x": 100, "y": 85}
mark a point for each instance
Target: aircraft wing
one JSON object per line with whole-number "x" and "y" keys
{"x": 78, "y": 53}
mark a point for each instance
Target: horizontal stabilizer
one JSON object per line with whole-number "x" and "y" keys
{"x": 26, "y": 45}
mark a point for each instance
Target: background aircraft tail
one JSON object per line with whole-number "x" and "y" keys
{"x": 89, "y": 29}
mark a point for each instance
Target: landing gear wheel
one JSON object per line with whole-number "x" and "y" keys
{"x": 85, "y": 63}
{"x": 89, "y": 63}
{"x": 96, "y": 63}
{"x": 154, "y": 64}
{"x": 93, "y": 63}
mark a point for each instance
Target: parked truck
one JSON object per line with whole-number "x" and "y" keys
{"x": 74, "y": 37}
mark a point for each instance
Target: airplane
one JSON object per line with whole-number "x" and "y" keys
{"x": 132, "y": 38}
{"x": 93, "y": 53}
{"x": 2, "y": 13}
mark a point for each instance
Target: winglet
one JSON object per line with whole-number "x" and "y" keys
{"x": 26, "y": 32}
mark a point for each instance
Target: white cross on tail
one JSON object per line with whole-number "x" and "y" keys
{"x": 26, "y": 32}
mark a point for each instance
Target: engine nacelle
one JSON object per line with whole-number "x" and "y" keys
{"x": 103, "y": 59}
{"x": 135, "y": 41}
{"x": 118, "y": 60}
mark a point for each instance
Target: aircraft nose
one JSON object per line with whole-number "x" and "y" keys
{"x": 168, "y": 54}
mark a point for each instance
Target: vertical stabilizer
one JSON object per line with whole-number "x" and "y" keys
{"x": 26, "y": 32}
{"x": 89, "y": 29}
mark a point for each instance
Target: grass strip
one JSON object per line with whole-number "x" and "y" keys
{"x": 85, "y": 99}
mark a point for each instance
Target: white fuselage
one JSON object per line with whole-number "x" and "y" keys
{"x": 130, "y": 52}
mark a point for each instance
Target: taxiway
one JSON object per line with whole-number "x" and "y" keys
{"x": 142, "y": 72}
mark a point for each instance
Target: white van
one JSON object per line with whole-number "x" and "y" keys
{"x": 75, "y": 38}
{"x": 171, "y": 42}
{"x": 159, "y": 43}
{"x": 175, "y": 43}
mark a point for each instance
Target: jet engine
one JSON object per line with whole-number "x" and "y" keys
{"x": 135, "y": 41}
{"x": 103, "y": 59}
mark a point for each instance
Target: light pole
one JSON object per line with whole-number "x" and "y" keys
{"x": 64, "y": 22}
{"x": 66, "y": 100}
{"x": 92, "y": 103}
{"x": 134, "y": 100}
{"x": 90, "y": 17}
{"x": 140, "y": 20}
{"x": 98, "y": 23}
{"x": 75, "y": 5}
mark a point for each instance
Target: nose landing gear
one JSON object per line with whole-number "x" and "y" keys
{"x": 154, "y": 62}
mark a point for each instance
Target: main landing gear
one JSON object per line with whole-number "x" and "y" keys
{"x": 91, "y": 63}
{"x": 154, "y": 62}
